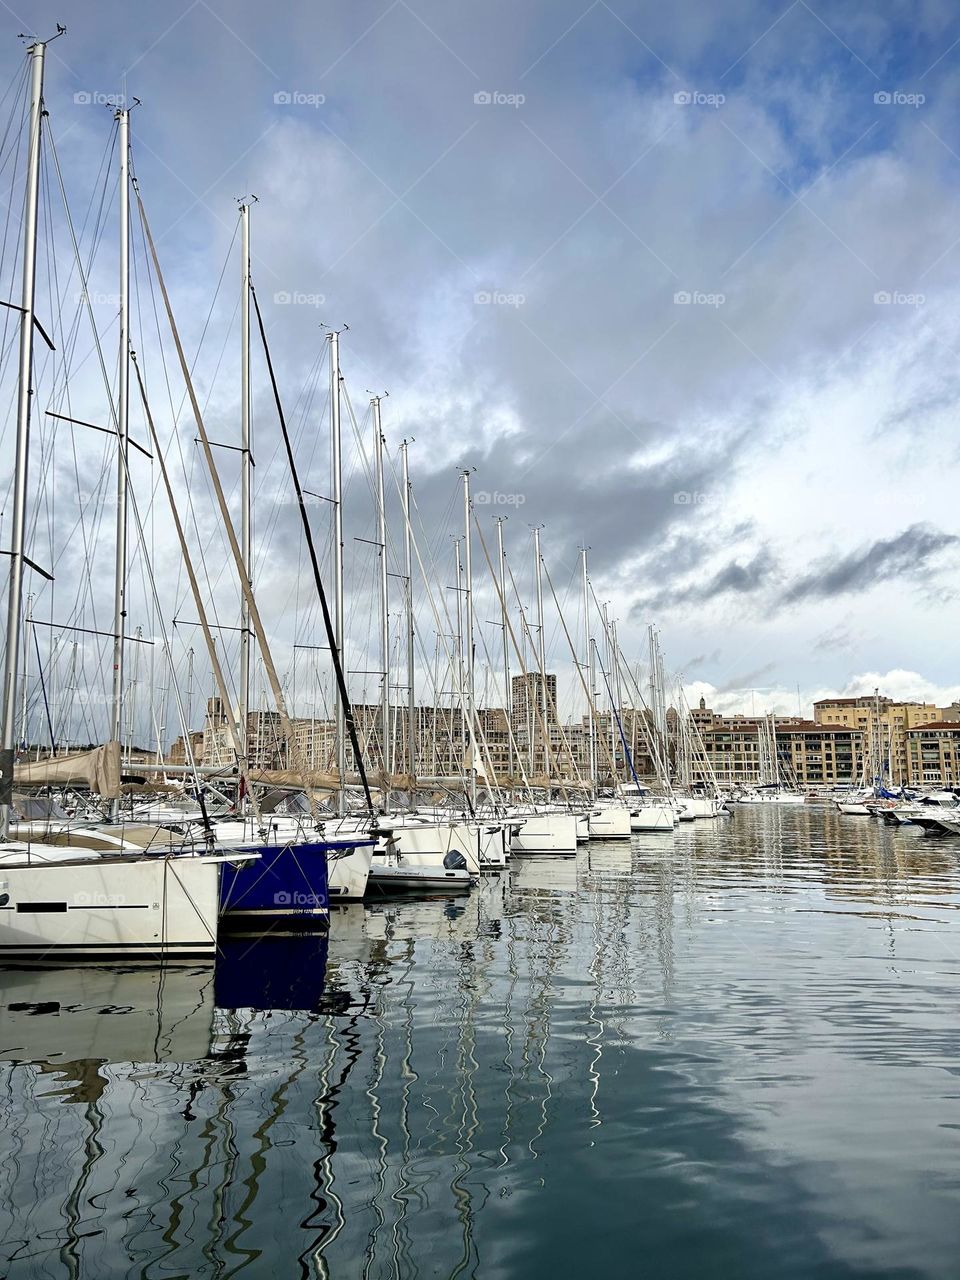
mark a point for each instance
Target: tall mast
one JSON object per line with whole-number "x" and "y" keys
{"x": 458, "y": 673}
{"x": 468, "y": 599}
{"x": 189, "y": 701}
{"x": 386, "y": 746}
{"x": 616, "y": 686}
{"x": 541, "y": 654}
{"x": 773, "y": 749}
{"x": 605, "y": 623}
{"x": 337, "y": 468}
{"x": 123, "y": 434}
{"x": 458, "y": 699}
{"x": 246, "y": 460}
{"x": 24, "y": 674}
{"x": 501, "y": 560}
{"x": 588, "y": 672}
{"x": 408, "y": 571}
{"x": 24, "y": 397}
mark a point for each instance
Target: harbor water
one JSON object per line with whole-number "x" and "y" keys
{"x": 734, "y": 1051}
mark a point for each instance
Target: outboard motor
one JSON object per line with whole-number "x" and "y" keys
{"x": 454, "y": 861}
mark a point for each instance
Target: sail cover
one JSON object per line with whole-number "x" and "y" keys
{"x": 98, "y": 769}
{"x": 320, "y": 780}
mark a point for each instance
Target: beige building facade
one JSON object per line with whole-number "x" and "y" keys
{"x": 884, "y": 725}
{"x": 933, "y": 754}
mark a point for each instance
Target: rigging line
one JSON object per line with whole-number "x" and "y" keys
{"x": 15, "y": 155}
{"x": 98, "y": 231}
{"x": 176, "y": 440}
{"x": 43, "y": 690}
{"x": 588, "y": 692}
{"x": 134, "y": 506}
{"x": 14, "y": 87}
{"x": 266, "y": 537}
{"x": 242, "y": 764}
{"x": 551, "y": 646}
{"x": 10, "y": 324}
{"x": 654, "y": 750}
{"x": 616, "y": 714}
{"x": 48, "y": 438}
{"x": 308, "y": 534}
{"x": 441, "y": 634}
{"x": 457, "y": 671}
{"x": 223, "y": 270}
{"x": 202, "y": 540}
{"x": 523, "y": 668}
{"x": 431, "y": 588}
{"x": 305, "y": 620}
{"x": 255, "y": 618}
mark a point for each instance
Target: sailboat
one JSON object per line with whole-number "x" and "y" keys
{"x": 65, "y": 902}
{"x": 770, "y": 788}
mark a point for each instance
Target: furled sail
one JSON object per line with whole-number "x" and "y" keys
{"x": 329, "y": 780}
{"x": 98, "y": 769}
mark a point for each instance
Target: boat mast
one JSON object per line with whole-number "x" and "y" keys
{"x": 386, "y": 746}
{"x": 337, "y": 468}
{"x": 189, "y": 752}
{"x": 408, "y": 570}
{"x": 246, "y": 463}
{"x": 773, "y": 749}
{"x": 617, "y": 684}
{"x": 24, "y": 397}
{"x": 588, "y": 671}
{"x": 501, "y": 560}
{"x": 541, "y": 655}
{"x": 468, "y": 600}
{"x": 609, "y": 683}
{"x": 123, "y": 441}
{"x": 457, "y": 691}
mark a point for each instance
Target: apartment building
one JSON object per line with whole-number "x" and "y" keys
{"x": 933, "y": 754}
{"x": 808, "y": 754}
{"x": 884, "y": 725}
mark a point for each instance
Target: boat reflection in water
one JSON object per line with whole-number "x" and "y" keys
{"x": 271, "y": 971}
{"x": 104, "y": 1015}
{"x": 740, "y": 1047}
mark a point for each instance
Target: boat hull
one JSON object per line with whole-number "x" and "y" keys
{"x": 145, "y": 909}
{"x": 652, "y": 817}
{"x": 288, "y": 883}
{"x": 388, "y": 878}
{"x": 701, "y": 806}
{"x": 546, "y": 833}
{"x": 347, "y": 866}
{"x": 611, "y": 823}
{"x": 438, "y": 845}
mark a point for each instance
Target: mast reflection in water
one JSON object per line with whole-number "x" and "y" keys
{"x": 733, "y": 1050}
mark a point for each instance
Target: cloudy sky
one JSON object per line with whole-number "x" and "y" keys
{"x": 680, "y": 282}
